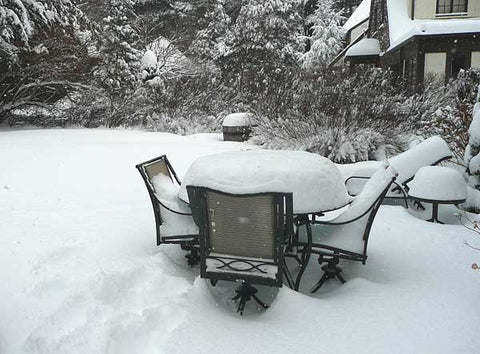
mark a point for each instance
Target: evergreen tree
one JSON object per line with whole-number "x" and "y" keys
{"x": 22, "y": 19}
{"x": 211, "y": 42}
{"x": 120, "y": 60}
{"x": 265, "y": 38}
{"x": 327, "y": 35}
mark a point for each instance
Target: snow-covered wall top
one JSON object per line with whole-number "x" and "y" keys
{"x": 361, "y": 14}
{"x": 402, "y": 27}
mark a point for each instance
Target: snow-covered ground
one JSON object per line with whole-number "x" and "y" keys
{"x": 80, "y": 272}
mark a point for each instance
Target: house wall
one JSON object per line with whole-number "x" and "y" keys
{"x": 422, "y": 55}
{"x": 425, "y": 9}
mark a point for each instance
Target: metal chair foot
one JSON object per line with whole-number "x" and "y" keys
{"x": 192, "y": 258}
{"x": 341, "y": 278}
{"x": 246, "y": 292}
{"x": 331, "y": 270}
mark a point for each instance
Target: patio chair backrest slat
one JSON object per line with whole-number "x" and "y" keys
{"x": 242, "y": 235}
{"x": 241, "y": 226}
{"x": 155, "y": 168}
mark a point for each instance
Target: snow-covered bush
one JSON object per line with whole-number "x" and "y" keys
{"x": 472, "y": 152}
{"x": 447, "y": 111}
{"x": 345, "y": 117}
{"x": 183, "y": 125}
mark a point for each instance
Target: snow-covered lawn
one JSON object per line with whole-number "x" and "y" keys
{"x": 80, "y": 272}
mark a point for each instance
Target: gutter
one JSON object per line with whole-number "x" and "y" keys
{"x": 419, "y": 35}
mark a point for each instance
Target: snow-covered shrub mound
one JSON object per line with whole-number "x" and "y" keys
{"x": 341, "y": 145}
{"x": 344, "y": 117}
{"x": 183, "y": 125}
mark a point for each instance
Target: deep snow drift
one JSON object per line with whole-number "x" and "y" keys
{"x": 80, "y": 272}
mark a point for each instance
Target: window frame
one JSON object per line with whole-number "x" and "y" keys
{"x": 452, "y": 13}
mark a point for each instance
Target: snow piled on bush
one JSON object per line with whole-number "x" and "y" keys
{"x": 337, "y": 144}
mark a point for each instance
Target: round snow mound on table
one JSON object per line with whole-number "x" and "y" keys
{"x": 438, "y": 183}
{"x": 238, "y": 120}
{"x": 315, "y": 181}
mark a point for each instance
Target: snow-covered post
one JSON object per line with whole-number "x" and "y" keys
{"x": 472, "y": 152}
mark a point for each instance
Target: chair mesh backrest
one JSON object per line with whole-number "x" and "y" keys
{"x": 242, "y": 226}
{"x": 155, "y": 168}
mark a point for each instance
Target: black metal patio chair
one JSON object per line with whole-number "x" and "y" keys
{"x": 173, "y": 218}
{"x": 347, "y": 235}
{"x": 242, "y": 238}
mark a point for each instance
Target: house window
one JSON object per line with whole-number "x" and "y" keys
{"x": 458, "y": 62}
{"x": 452, "y": 6}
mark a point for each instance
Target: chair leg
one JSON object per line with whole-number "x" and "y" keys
{"x": 319, "y": 284}
{"x": 246, "y": 292}
{"x": 330, "y": 271}
{"x": 418, "y": 205}
{"x": 340, "y": 277}
{"x": 192, "y": 258}
{"x": 260, "y": 302}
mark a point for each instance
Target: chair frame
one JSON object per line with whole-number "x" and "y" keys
{"x": 283, "y": 226}
{"x": 336, "y": 253}
{"x": 186, "y": 242}
{"x": 403, "y": 187}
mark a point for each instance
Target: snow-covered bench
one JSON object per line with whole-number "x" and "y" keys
{"x": 431, "y": 151}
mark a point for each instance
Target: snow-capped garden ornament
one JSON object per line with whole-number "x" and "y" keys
{"x": 237, "y": 126}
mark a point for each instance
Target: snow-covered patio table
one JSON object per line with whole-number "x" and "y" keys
{"x": 316, "y": 183}
{"x": 438, "y": 185}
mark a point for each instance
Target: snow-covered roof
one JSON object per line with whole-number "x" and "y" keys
{"x": 367, "y": 46}
{"x": 402, "y": 27}
{"x": 359, "y": 15}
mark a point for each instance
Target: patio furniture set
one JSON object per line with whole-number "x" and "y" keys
{"x": 242, "y": 214}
